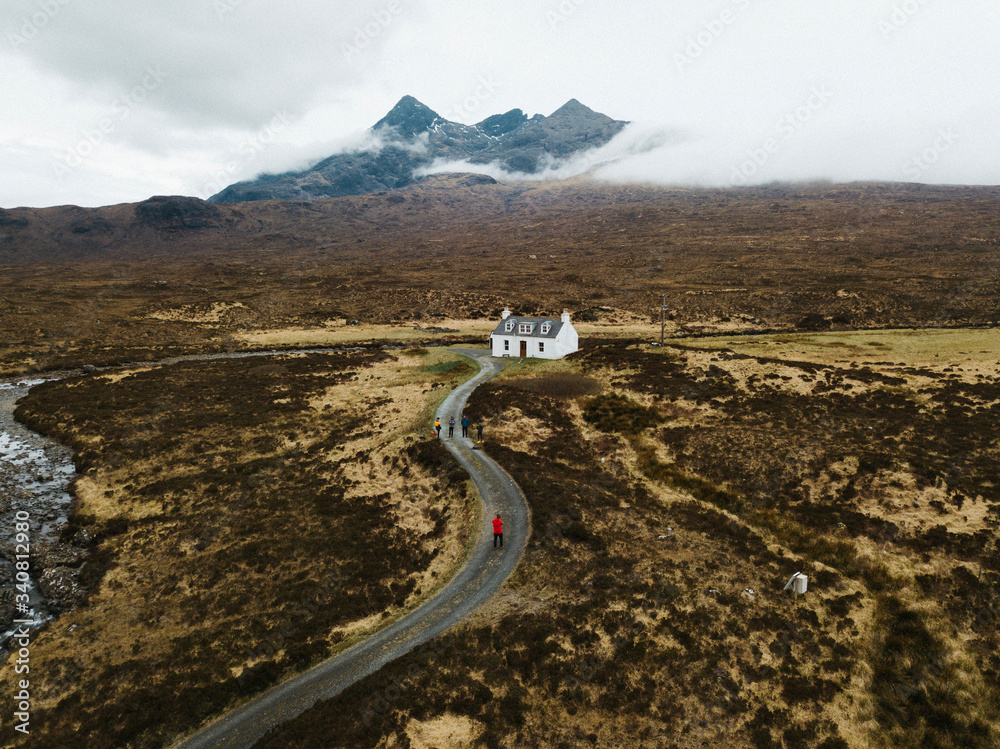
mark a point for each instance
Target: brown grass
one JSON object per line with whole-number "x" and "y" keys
{"x": 609, "y": 634}
{"x": 252, "y": 517}
{"x": 773, "y": 257}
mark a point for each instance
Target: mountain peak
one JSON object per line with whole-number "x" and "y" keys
{"x": 407, "y": 104}
{"x": 512, "y": 140}
{"x": 501, "y": 124}
{"x": 409, "y": 117}
{"x": 574, "y": 108}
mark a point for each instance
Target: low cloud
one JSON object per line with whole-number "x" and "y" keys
{"x": 633, "y": 141}
{"x": 934, "y": 152}
{"x": 288, "y": 158}
{"x": 912, "y": 87}
{"x": 803, "y": 144}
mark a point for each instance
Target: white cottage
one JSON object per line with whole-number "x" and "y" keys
{"x": 538, "y": 337}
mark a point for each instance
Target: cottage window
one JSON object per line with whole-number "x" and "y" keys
{"x": 541, "y": 347}
{"x": 525, "y": 327}
{"x": 546, "y": 327}
{"x": 506, "y": 345}
{"x": 510, "y": 326}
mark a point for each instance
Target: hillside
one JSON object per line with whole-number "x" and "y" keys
{"x": 78, "y": 282}
{"x": 674, "y": 488}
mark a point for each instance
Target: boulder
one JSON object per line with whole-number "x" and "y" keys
{"x": 83, "y": 538}
{"x": 61, "y": 588}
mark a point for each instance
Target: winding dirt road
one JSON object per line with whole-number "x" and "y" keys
{"x": 484, "y": 572}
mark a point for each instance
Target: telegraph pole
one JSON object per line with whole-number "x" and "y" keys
{"x": 663, "y": 318}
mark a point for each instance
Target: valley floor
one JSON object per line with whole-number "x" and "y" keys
{"x": 674, "y": 490}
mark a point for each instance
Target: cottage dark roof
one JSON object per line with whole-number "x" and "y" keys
{"x": 536, "y": 331}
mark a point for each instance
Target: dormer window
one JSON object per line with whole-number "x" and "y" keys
{"x": 546, "y": 327}
{"x": 509, "y": 326}
{"x": 525, "y": 327}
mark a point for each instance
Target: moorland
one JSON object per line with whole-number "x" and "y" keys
{"x": 825, "y": 403}
{"x": 135, "y": 282}
{"x": 249, "y": 518}
{"x": 674, "y": 491}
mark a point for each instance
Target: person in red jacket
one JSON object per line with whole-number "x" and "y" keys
{"x": 497, "y": 531}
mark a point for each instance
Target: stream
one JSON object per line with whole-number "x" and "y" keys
{"x": 35, "y": 473}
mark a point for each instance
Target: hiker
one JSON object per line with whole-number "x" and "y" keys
{"x": 437, "y": 426}
{"x": 451, "y": 426}
{"x": 479, "y": 431}
{"x": 465, "y": 426}
{"x": 497, "y": 531}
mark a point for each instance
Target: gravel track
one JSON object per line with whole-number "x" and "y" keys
{"x": 483, "y": 573}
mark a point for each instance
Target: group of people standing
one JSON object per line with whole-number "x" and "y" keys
{"x": 466, "y": 423}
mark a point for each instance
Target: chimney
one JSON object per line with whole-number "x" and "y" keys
{"x": 565, "y": 316}
{"x": 505, "y": 314}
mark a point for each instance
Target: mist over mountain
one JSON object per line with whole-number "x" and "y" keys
{"x": 412, "y": 138}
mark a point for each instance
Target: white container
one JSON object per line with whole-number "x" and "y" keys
{"x": 800, "y": 583}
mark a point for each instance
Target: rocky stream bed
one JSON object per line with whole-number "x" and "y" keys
{"x": 35, "y": 473}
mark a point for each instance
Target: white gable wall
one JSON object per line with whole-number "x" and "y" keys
{"x": 569, "y": 340}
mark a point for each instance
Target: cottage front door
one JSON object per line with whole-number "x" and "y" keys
{"x": 524, "y": 349}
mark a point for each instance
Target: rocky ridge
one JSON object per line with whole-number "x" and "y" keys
{"x": 412, "y": 136}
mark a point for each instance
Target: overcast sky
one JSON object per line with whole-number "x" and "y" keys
{"x": 108, "y": 101}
